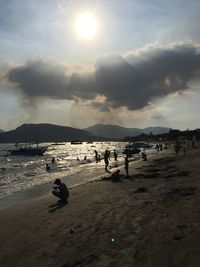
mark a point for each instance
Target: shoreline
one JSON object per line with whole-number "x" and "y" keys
{"x": 43, "y": 190}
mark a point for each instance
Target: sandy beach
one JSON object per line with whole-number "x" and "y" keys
{"x": 151, "y": 219}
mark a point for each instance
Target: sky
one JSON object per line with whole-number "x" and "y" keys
{"x": 135, "y": 64}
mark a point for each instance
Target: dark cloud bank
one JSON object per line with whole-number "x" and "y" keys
{"x": 132, "y": 81}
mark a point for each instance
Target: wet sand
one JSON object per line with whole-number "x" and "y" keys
{"x": 151, "y": 219}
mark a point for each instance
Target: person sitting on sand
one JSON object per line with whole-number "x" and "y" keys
{"x": 60, "y": 190}
{"x": 115, "y": 177}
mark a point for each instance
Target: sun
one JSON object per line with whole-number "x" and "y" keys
{"x": 86, "y": 25}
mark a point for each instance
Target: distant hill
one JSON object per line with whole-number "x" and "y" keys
{"x": 114, "y": 131}
{"x": 1, "y": 131}
{"x": 45, "y": 133}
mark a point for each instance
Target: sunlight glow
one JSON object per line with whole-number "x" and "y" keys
{"x": 86, "y": 25}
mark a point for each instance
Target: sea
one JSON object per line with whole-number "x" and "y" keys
{"x": 75, "y": 164}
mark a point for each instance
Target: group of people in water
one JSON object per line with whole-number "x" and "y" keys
{"x": 61, "y": 191}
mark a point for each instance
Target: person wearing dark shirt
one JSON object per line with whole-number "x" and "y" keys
{"x": 126, "y": 165}
{"x": 96, "y": 156}
{"x": 106, "y": 157}
{"x": 144, "y": 156}
{"x": 60, "y": 190}
{"x": 115, "y": 155}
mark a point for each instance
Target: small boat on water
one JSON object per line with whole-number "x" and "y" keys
{"x": 28, "y": 151}
{"x": 135, "y": 148}
{"x": 140, "y": 145}
{"x": 129, "y": 151}
{"x": 57, "y": 144}
{"x": 76, "y": 142}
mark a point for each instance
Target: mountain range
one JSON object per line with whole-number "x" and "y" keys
{"x": 44, "y": 132}
{"x": 115, "y": 131}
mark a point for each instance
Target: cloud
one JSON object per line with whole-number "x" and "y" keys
{"x": 157, "y": 116}
{"x": 40, "y": 79}
{"x": 133, "y": 80}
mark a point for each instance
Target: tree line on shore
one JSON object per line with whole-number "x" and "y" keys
{"x": 172, "y": 135}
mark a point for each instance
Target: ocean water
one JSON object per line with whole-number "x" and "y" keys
{"x": 22, "y": 173}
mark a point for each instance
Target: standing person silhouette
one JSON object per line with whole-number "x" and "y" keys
{"x": 106, "y": 156}
{"x": 99, "y": 158}
{"x": 126, "y": 165}
{"x": 115, "y": 155}
{"x": 96, "y": 156}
